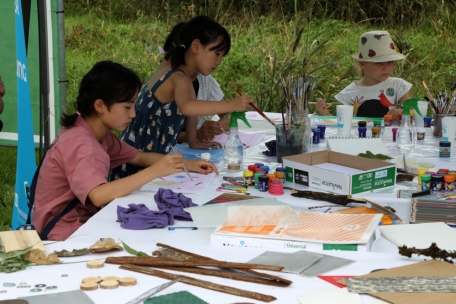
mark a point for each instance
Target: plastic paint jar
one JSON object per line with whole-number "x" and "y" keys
{"x": 427, "y": 121}
{"x": 362, "y": 132}
{"x": 258, "y": 164}
{"x": 377, "y": 123}
{"x": 443, "y": 171}
{"x": 263, "y": 183}
{"x": 316, "y": 135}
{"x": 252, "y": 168}
{"x": 444, "y": 148}
{"x": 420, "y": 172}
{"x": 431, "y": 173}
{"x": 376, "y": 131}
{"x": 362, "y": 123}
{"x": 265, "y": 168}
{"x": 206, "y": 156}
{"x": 449, "y": 182}
{"x": 436, "y": 182}
{"x": 420, "y": 133}
{"x": 280, "y": 175}
{"x": 248, "y": 178}
{"x": 322, "y": 131}
{"x": 388, "y": 120}
{"x": 452, "y": 173}
{"x": 271, "y": 176}
{"x": 394, "y": 130}
{"x": 255, "y": 178}
{"x": 425, "y": 182}
{"x": 400, "y": 118}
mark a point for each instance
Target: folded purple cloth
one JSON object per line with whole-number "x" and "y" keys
{"x": 138, "y": 217}
{"x": 176, "y": 202}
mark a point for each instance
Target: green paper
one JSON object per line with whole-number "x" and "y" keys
{"x": 181, "y": 297}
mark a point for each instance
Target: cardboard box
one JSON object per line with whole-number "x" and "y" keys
{"x": 371, "y": 174}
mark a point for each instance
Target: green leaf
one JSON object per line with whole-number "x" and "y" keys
{"x": 132, "y": 251}
{"x": 15, "y": 253}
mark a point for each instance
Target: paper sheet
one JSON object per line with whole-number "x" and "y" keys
{"x": 255, "y": 116}
{"x": 189, "y": 153}
{"x": 181, "y": 183}
{"x": 292, "y": 262}
{"x": 248, "y": 140}
{"x": 329, "y": 295}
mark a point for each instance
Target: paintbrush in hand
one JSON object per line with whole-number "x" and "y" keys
{"x": 184, "y": 166}
{"x": 259, "y": 111}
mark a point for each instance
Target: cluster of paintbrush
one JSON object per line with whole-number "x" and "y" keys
{"x": 443, "y": 103}
{"x": 298, "y": 91}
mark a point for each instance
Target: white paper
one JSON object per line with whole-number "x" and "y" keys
{"x": 181, "y": 183}
{"x": 329, "y": 295}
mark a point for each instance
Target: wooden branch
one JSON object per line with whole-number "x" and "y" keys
{"x": 156, "y": 262}
{"x": 200, "y": 283}
{"x": 194, "y": 255}
{"x": 229, "y": 275}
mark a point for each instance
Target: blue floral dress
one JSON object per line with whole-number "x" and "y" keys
{"x": 155, "y": 127}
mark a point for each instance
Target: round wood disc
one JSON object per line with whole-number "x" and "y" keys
{"x": 95, "y": 264}
{"x": 127, "y": 281}
{"x": 89, "y": 286}
{"x": 109, "y": 284}
{"x": 111, "y": 278}
{"x": 91, "y": 280}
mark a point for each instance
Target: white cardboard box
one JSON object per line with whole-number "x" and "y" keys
{"x": 359, "y": 175}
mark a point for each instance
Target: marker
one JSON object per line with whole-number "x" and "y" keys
{"x": 182, "y": 227}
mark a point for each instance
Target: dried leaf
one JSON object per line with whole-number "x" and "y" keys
{"x": 74, "y": 252}
{"x": 105, "y": 244}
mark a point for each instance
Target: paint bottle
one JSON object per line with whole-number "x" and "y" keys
{"x": 436, "y": 183}
{"x": 394, "y": 130}
{"x": 265, "y": 168}
{"x": 280, "y": 175}
{"x": 271, "y": 176}
{"x": 322, "y": 131}
{"x": 444, "y": 148}
{"x": 427, "y": 121}
{"x": 248, "y": 178}
{"x": 263, "y": 183}
{"x": 443, "y": 171}
{"x": 420, "y": 133}
{"x": 425, "y": 182}
{"x": 452, "y": 173}
{"x": 449, "y": 182}
{"x": 255, "y": 179}
{"x": 316, "y": 135}
{"x": 252, "y": 167}
{"x": 388, "y": 120}
{"x": 206, "y": 156}
{"x": 420, "y": 172}
{"x": 376, "y": 131}
{"x": 362, "y": 132}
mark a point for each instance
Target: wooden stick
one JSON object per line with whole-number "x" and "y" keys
{"x": 328, "y": 104}
{"x": 194, "y": 255}
{"x": 156, "y": 262}
{"x": 184, "y": 166}
{"x": 200, "y": 283}
{"x": 229, "y": 275}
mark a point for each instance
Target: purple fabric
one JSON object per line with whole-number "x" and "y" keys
{"x": 176, "y": 202}
{"x": 138, "y": 217}
{"x": 272, "y": 150}
{"x": 170, "y": 204}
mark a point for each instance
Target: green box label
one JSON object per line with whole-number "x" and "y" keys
{"x": 373, "y": 180}
{"x": 289, "y": 174}
{"x": 344, "y": 247}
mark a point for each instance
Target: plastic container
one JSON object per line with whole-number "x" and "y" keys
{"x": 420, "y": 133}
{"x": 280, "y": 175}
{"x": 322, "y": 131}
{"x": 443, "y": 171}
{"x": 206, "y": 156}
{"x": 436, "y": 183}
{"x": 316, "y": 135}
{"x": 449, "y": 182}
{"x": 362, "y": 132}
{"x": 394, "y": 130}
{"x": 263, "y": 183}
{"x": 444, "y": 149}
{"x": 427, "y": 121}
{"x": 265, "y": 168}
{"x": 255, "y": 178}
{"x": 252, "y": 167}
{"x": 387, "y": 120}
{"x": 376, "y": 131}
{"x": 425, "y": 182}
{"x": 420, "y": 172}
{"x": 377, "y": 123}
{"x": 362, "y": 123}
{"x": 248, "y": 178}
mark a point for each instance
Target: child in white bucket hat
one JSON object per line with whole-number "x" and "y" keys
{"x": 376, "y": 93}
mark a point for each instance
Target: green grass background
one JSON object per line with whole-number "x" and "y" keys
{"x": 264, "y": 43}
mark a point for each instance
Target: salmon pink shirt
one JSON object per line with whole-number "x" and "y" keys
{"x": 75, "y": 164}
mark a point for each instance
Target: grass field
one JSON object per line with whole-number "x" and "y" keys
{"x": 263, "y": 44}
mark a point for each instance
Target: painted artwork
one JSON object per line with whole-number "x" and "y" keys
{"x": 248, "y": 140}
{"x": 181, "y": 183}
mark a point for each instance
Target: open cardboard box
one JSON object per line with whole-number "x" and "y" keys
{"x": 339, "y": 173}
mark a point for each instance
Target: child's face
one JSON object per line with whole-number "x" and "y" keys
{"x": 207, "y": 61}
{"x": 377, "y": 71}
{"x": 121, "y": 114}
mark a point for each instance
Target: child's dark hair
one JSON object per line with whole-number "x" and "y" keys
{"x": 205, "y": 30}
{"x": 170, "y": 42}
{"x": 108, "y": 81}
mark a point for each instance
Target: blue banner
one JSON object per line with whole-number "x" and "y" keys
{"x": 26, "y": 163}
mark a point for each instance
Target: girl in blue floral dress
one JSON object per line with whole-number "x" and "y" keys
{"x": 169, "y": 95}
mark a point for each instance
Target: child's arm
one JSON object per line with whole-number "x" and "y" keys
{"x": 184, "y": 96}
{"x": 322, "y": 108}
{"x": 157, "y": 165}
{"x": 395, "y": 112}
{"x": 192, "y": 135}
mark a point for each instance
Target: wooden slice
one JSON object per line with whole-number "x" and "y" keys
{"x": 111, "y": 278}
{"x": 109, "y": 284}
{"x": 127, "y": 281}
{"x": 91, "y": 280}
{"x": 95, "y": 264}
{"x": 89, "y": 286}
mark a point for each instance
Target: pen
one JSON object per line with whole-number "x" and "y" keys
{"x": 179, "y": 227}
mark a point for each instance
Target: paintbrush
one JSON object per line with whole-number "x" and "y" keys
{"x": 431, "y": 99}
{"x": 259, "y": 111}
{"x": 184, "y": 166}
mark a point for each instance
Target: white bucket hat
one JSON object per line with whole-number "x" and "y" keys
{"x": 376, "y": 46}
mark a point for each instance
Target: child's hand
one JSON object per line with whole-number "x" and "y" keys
{"x": 169, "y": 164}
{"x": 241, "y": 103}
{"x": 200, "y": 166}
{"x": 208, "y": 130}
{"x": 322, "y": 108}
{"x": 395, "y": 113}
{"x": 199, "y": 144}
{"x": 2, "y": 88}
